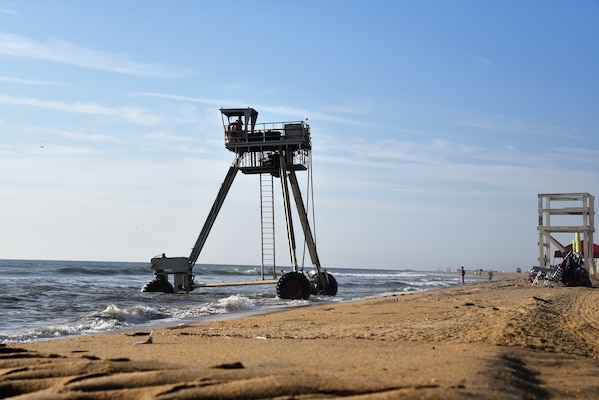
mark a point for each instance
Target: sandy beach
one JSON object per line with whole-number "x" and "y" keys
{"x": 492, "y": 340}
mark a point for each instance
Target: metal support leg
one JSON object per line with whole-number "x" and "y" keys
{"x": 288, "y": 217}
{"x": 218, "y": 202}
{"x": 303, "y": 216}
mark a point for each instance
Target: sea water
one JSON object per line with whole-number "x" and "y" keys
{"x": 52, "y": 299}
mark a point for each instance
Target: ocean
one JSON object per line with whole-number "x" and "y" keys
{"x": 43, "y": 300}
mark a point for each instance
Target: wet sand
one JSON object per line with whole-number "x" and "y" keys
{"x": 493, "y": 340}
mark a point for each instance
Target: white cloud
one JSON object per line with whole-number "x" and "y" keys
{"x": 182, "y": 98}
{"x": 481, "y": 62}
{"x": 130, "y": 114}
{"x": 34, "y": 82}
{"x": 286, "y": 111}
{"x": 177, "y": 143}
{"x": 66, "y": 53}
{"x": 7, "y": 9}
{"x": 169, "y": 137}
{"x": 500, "y": 123}
{"x": 78, "y": 135}
{"x": 64, "y": 150}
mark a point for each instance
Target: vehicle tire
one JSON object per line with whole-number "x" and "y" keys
{"x": 293, "y": 286}
{"x": 329, "y": 290}
{"x": 158, "y": 286}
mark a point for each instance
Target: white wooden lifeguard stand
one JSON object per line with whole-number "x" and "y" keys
{"x": 570, "y": 207}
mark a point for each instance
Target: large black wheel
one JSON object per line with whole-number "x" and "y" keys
{"x": 328, "y": 289}
{"x": 293, "y": 286}
{"x": 158, "y": 286}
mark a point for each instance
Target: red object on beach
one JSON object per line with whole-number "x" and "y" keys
{"x": 569, "y": 248}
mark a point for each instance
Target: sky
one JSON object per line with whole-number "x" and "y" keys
{"x": 435, "y": 125}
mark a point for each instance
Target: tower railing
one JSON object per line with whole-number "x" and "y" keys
{"x": 296, "y": 133}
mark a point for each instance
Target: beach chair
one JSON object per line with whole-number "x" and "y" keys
{"x": 569, "y": 273}
{"x": 548, "y": 276}
{"x": 536, "y": 274}
{"x": 553, "y": 277}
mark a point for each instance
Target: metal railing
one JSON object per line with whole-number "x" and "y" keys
{"x": 269, "y": 132}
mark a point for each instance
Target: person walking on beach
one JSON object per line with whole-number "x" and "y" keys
{"x": 490, "y": 275}
{"x": 463, "y": 272}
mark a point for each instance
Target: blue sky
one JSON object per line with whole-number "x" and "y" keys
{"x": 435, "y": 125}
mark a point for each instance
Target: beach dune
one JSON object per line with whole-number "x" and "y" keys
{"x": 496, "y": 340}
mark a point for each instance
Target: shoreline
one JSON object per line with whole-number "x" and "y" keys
{"x": 501, "y": 339}
{"x": 64, "y": 331}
